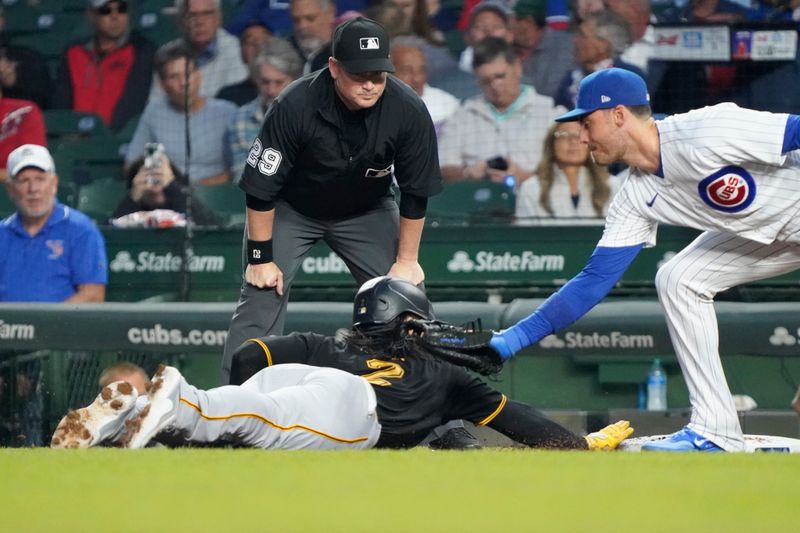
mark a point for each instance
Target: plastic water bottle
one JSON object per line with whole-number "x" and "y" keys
{"x": 657, "y": 387}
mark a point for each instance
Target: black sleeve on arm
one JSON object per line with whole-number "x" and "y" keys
{"x": 527, "y": 425}
{"x": 412, "y": 206}
{"x": 257, "y": 204}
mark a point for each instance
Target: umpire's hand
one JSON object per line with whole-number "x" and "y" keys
{"x": 408, "y": 270}
{"x": 265, "y": 276}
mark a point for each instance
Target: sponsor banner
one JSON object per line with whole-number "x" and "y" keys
{"x": 693, "y": 43}
{"x": 620, "y": 326}
{"x": 773, "y": 45}
{"x": 159, "y": 335}
{"x": 153, "y": 261}
{"x": 505, "y": 261}
{"x": 127, "y": 327}
{"x": 323, "y": 264}
{"x": 17, "y": 332}
{"x": 598, "y": 339}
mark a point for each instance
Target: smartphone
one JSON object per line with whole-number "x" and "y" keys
{"x": 497, "y": 163}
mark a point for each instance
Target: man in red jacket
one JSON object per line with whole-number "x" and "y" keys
{"x": 111, "y": 73}
{"x": 21, "y": 123}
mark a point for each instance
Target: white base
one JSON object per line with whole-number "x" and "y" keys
{"x": 753, "y": 443}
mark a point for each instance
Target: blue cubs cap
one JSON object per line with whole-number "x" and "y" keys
{"x": 606, "y": 89}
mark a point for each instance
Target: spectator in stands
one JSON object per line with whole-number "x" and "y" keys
{"x": 717, "y": 11}
{"x": 584, "y": 8}
{"x": 276, "y": 14}
{"x": 50, "y": 252}
{"x": 490, "y": 18}
{"x": 159, "y": 185}
{"x": 23, "y": 72}
{"x": 110, "y": 74}
{"x": 21, "y": 122}
{"x": 164, "y": 120}
{"x": 567, "y": 183}
{"x": 547, "y": 54}
{"x": 125, "y": 371}
{"x": 390, "y": 16}
{"x": 775, "y": 10}
{"x": 277, "y": 65}
{"x": 490, "y": 136}
{"x": 418, "y": 20}
{"x": 215, "y": 51}
{"x": 639, "y": 16}
{"x": 688, "y": 85}
{"x": 410, "y": 66}
{"x": 313, "y": 23}
{"x": 250, "y": 41}
{"x": 600, "y": 40}
{"x": 418, "y": 23}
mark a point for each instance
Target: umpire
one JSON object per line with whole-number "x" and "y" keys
{"x": 322, "y": 168}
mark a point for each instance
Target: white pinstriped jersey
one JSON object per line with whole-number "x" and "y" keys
{"x": 723, "y": 171}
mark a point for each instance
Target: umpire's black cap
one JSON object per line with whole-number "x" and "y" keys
{"x": 362, "y": 45}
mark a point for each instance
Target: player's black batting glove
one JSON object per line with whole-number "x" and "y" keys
{"x": 464, "y": 346}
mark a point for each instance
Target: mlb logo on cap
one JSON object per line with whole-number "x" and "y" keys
{"x": 606, "y": 89}
{"x": 362, "y": 45}
{"x": 370, "y": 43}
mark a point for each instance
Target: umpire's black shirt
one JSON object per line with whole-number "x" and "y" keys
{"x": 302, "y": 154}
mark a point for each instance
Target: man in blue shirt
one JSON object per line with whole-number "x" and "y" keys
{"x": 48, "y": 251}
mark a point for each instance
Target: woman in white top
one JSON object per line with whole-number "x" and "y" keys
{"x": 567, "y": 183}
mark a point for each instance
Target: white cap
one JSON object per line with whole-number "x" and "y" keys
{"x": 30, "y": 155}
{"x": 97, "y": 3}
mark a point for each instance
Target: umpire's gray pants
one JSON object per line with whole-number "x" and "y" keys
{"x": 367, "y": 243}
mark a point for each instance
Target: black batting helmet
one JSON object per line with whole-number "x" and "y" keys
{"x": 380, "y": 300}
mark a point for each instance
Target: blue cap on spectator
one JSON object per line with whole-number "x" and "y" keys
{"x": 606, "y": 89}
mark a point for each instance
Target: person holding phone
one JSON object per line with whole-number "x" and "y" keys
{"x": 155, "y": 183}
{"x": 490, "y": 136}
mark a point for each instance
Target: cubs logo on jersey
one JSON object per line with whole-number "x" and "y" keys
{"x": 730, "y": 189}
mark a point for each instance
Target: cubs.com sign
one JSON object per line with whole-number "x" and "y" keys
{"x": 729, "y": 190}
{"x": 487, "y": 261}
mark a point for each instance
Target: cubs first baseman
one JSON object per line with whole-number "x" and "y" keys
{"x": 726, "y": 170}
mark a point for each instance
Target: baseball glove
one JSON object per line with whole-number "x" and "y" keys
{"x": 466, "y": 346}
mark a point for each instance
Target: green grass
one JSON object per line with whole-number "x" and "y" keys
{"x": 494, "y": 490}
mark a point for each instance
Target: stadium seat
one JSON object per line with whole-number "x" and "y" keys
{"x": 71, "y": 5}
{"x": 6, "y": 205}
{"x": 153, "y": 22}
{"x": 86, "y": 160}
{"x": 227, "y": 200}
{"x": 67, "y": 193}
{"x": 125, "y": 133}
{"x": 46, "y": 30}
{"x": 50, "y": 47}
{"x": 99, "y": 199}
{"x": 472, "y": 201}
{"x": 66, "y": 124}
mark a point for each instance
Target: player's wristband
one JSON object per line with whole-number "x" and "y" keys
{"x": 259, "y": 252}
